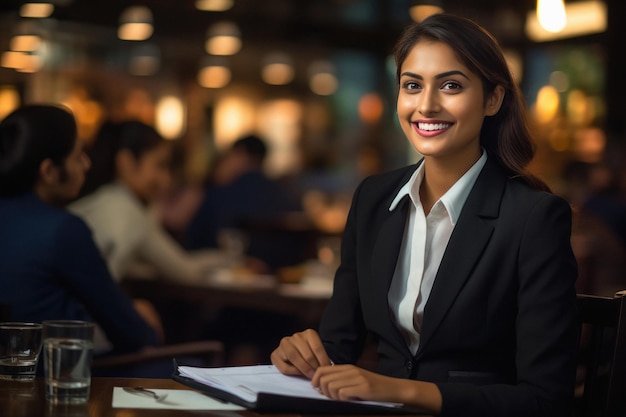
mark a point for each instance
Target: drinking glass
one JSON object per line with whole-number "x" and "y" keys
{"x": 67, "y": 346}
{"x": 20, "y": 344}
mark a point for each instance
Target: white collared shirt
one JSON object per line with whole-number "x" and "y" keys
{"x": 128, "y": 234}
{"x": 423, "y": 245}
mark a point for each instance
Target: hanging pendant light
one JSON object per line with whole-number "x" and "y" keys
{"x": 39, "y": 10}
{"x": 322, "y": 78}
{"x": 214, "y": 5}
{"x": 278, "y": 69}
{"x": 551, "y": 15}
{"x": 135, "y": 24}
{"x": 214, "y": 72}
{"x": 223, "y": 38}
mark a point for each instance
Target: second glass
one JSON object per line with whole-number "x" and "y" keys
{"x": 20, "y": 344}
{"x": 67, "y": 349}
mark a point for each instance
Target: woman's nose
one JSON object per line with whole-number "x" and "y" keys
{"x": 429, "y": 103}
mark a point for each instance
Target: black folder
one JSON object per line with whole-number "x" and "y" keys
{"x": 274, "y": 403}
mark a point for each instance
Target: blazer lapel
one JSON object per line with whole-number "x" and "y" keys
{"x": 469, "y": 238}
{"x": 389, "y": 237}
{"x": 387, "y": 248}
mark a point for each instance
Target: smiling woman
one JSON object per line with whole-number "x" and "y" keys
{"x": 441, "y": 105}
{"x": 460, "y": 266}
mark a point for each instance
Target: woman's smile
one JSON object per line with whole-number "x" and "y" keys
{"x": 432, "y": 128}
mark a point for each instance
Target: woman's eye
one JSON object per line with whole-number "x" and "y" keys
{"x": 451, "y": 85}
{"x": 411, "y": 85}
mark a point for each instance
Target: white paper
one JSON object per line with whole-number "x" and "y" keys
{"x": 248, "y": 381}
{"x": 175, "y": 400}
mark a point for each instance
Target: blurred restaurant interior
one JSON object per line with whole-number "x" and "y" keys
{"x": 315, "y": 80}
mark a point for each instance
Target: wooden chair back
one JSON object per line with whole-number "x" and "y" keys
{"x": 603, "y": 354}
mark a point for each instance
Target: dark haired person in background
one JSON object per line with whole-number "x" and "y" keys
{"x": 241, "y": 196}
{"x": 130, "y": 171}
{"x": 460, "y": 266}
{"x": 50, "y": 266}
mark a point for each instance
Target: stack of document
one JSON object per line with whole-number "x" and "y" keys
{"x": 264, "y": 388}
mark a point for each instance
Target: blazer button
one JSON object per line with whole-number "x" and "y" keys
{"x": 409, "y": 365}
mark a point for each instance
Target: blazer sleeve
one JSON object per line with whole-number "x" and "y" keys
{"x": 85, "y": 275}
{"x": 546, "y": 326}
{"x": 342, "y": 329}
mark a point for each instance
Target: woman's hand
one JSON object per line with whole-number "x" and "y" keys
{"x": 300, "y": 354}
{"x": 348, "y": 382}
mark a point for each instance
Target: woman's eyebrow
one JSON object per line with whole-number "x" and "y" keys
{"x": 438, "y": 76}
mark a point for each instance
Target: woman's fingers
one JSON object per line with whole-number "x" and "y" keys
{"x": 301, "y": 353}
{"x": 338, "y": 382}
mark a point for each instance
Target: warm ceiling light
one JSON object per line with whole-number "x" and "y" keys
{"x": 12, "y": 59}
{"x": 20, "y": 61}
{"x": 25, "y": 43}
{"x": 582, "y": 18}
{"x": 223, "y": 38}
{"x": 135, "y": 24}
{"x": 322, "y": 78}
{"x": 170, "y": 117}
{"x": 323, "y": 84}
{"x": 214, "y": 5}
{"x": 551, "y": 15}
{"x": 214, "y": 73}
{"x": 30, "y": 64}
{"x": 36, "y": 10}
{"x": 135, "y": 31}
{"x": 278, "y": 69}
{"x": 548, "y": 103}
{"x": 421, "y": 9}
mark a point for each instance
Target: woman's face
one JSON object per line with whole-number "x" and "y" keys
{"x": 149, "y": 175}
{"x": 441, "y": 103}
{"x": 72, "y": 176}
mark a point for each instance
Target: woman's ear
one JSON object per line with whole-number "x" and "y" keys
{"x": 494, "y": 101}
{"x": 49, "y": 172}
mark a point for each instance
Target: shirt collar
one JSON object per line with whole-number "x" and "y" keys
{"x": 453, "y": 200}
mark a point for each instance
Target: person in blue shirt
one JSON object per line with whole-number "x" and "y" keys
{"x": 50, "y": 266}
{"x": 242, "y": 197}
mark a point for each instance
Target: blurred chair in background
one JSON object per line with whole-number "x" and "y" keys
{"x": 603, "y": 348}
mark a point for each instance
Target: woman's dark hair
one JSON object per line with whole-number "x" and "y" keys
{"x": 29, "y": 136}
{"x": 506, "y": 135}
{"x": 133, "y": 136}
{"x": 252, "y": 146}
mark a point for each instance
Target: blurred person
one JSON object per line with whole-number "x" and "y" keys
{"x": 241, "y": 211}
{"x": 180, "y": 203}
{"x": 130, "y": 172}
{"x": 240, "y": 196}
{"x": 460, "y": 266}
{"x": 51, "y": 267}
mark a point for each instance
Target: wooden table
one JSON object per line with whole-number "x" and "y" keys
{"x": 28, "y": 400}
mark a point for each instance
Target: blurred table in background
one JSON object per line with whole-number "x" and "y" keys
{"x": 305, "y": 300}
{"x": 253, "y": 311}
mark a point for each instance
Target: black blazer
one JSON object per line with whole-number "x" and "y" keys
{"x": 499, "y": 333}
